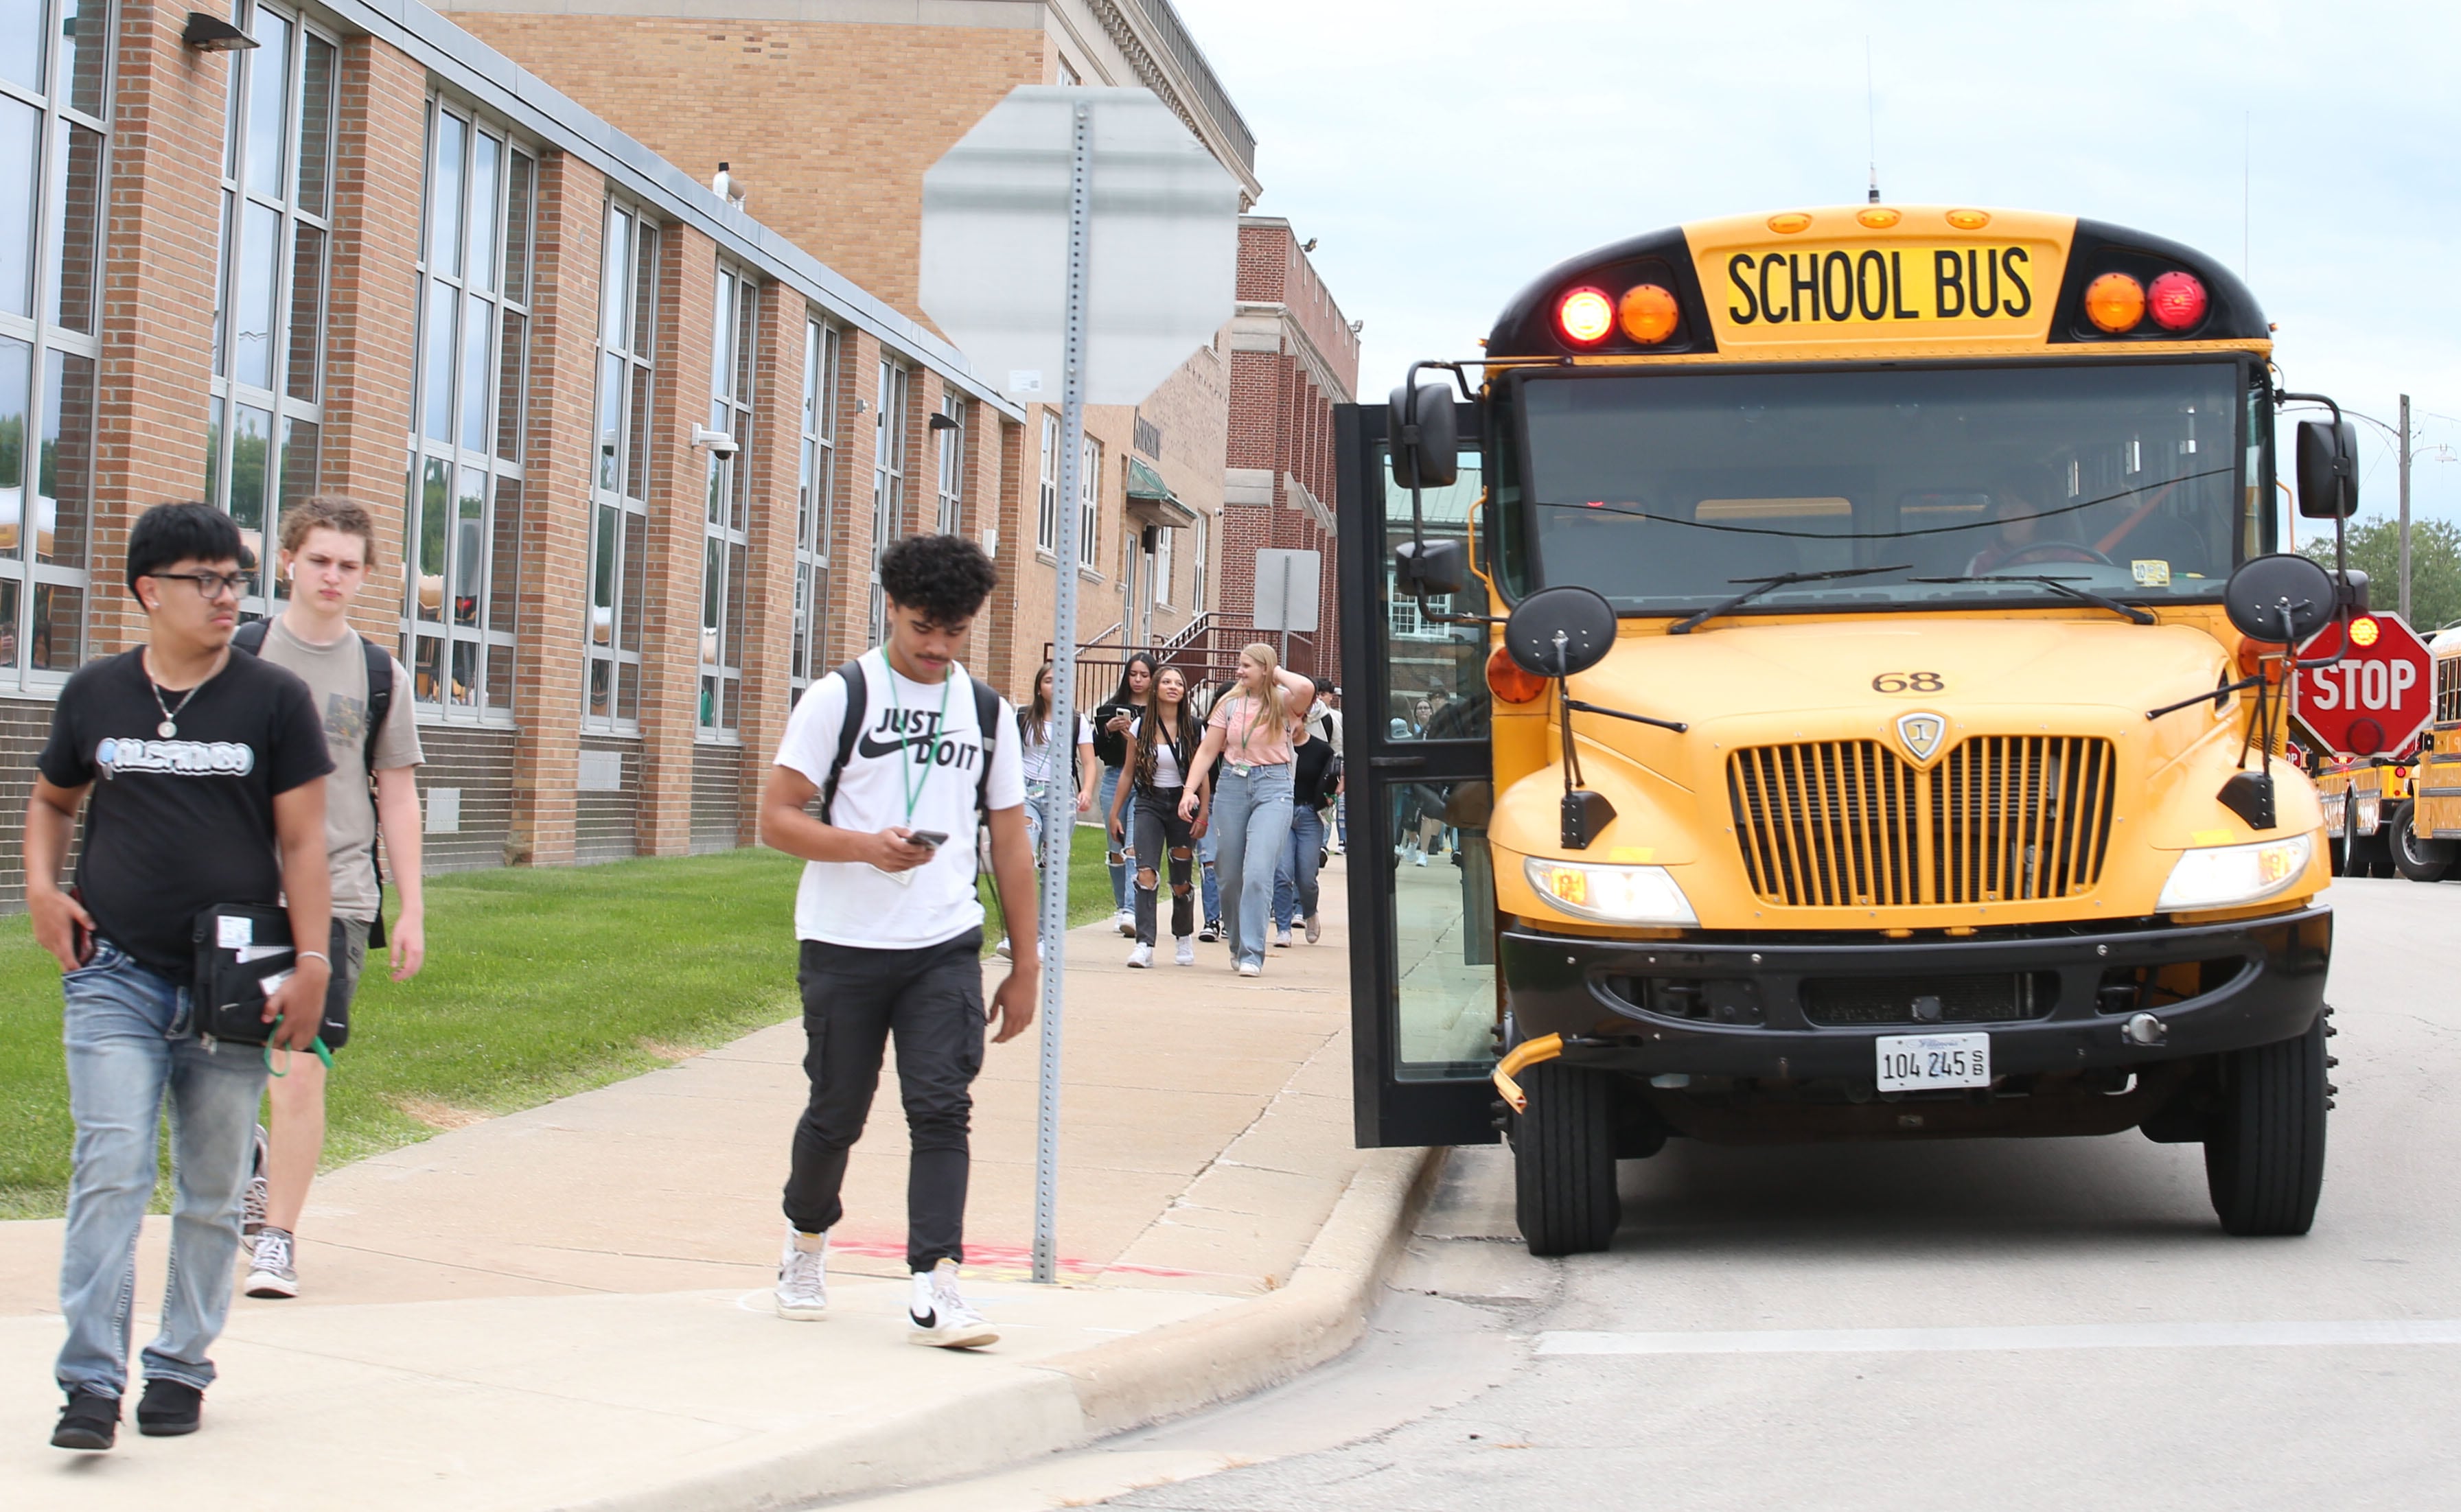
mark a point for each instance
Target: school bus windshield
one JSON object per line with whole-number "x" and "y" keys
{"x": 1668, "y": 491}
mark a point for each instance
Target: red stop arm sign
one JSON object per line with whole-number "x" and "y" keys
{"x": 2377, "y": 698}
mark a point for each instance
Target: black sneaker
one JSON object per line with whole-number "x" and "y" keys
{"x": 169, "y": 1409}
{"x": 1212, "y": 931}
{"x": 91, "y": 1420}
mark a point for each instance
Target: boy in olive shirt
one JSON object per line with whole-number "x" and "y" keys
{"x": 328, "y": 545}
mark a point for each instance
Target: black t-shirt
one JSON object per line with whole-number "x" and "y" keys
{"x": 1312, "y": 774}
{"x": 176, "y": 826}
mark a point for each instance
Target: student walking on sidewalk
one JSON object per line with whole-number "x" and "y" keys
{"x": 1250, "y": 729}
{"x": 906, "y": 754}
{"x": 209, "y": 795}
{"x": 328, "y": 545}
{"x": 1157, "y": 769}
{"x": 1115, "y": 727}
{"x": 1316, "y": 777}
{"x": 1048, "y": 761}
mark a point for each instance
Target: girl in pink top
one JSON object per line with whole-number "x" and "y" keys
{"x": 1249, "y": 731}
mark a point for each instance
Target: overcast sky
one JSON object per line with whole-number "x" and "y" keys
{"x": 1445, "y": 152}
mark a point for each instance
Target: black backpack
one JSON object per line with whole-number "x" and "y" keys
{"x": 250, "y": 638}
{"x": 987, "y": 720}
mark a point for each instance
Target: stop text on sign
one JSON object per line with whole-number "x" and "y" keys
{"x": 2375, "y": 686}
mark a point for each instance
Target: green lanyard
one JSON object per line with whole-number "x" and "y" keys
{"x": 906, "y": 777}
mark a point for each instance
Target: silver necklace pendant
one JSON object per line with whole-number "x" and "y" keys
{"x": 167, "y": 730}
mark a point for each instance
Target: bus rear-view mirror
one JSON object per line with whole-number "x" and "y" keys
{"x": 2328, "y": 469}
{"x": 1430, "y": 567}
{"x": 2280, "y": 599}
{"x": 1419, "y": 427}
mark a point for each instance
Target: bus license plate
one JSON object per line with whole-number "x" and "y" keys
{"x": 1927, "y": 1063}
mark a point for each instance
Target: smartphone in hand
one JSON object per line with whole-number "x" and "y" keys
{"x": 928, "y": 838}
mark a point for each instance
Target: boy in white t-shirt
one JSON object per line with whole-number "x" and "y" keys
{"x": 889, "y": 924}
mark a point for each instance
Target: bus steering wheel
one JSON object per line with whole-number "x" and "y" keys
{"x": 2054, "y": 551}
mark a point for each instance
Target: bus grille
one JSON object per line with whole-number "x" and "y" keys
{"x": 1850, "y": 824}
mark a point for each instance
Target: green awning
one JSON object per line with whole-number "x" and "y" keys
{"x": 1144, "y": 483}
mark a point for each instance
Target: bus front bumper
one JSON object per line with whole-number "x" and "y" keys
{"x": 1795, "y": 1010}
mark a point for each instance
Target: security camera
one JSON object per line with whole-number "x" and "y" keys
{"x": 719, "y": 442}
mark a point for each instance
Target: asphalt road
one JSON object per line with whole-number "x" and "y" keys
{"x": 2135, "y": 1355}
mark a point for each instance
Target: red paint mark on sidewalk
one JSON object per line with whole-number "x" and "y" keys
{"x": 1004, "y": 1258}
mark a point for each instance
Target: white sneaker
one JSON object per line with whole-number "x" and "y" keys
{"x": 1314, "y": 928}
{"x": 1251, "y": 969}
{"x": 1186, "y": 950}
{"x": 940, "y": 1317}
{"x": 1001, "y": 950}
{"x": 1282, "y": 939}
{"x": 803, "y": 1277}
{"x": 1418, "y": 857}
{"x": 1126, "y": 920}
{"x": 1142, "y": 955}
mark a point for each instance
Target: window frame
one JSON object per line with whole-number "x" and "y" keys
{"x": 816, "y": 513}
{"x": 624, "y": 351}
{"x": 1089, "y": 507}
{"x": 726, "y": 516}
{"x": 437, "y": 650}
{"x": 893, "y": 398}
{"x": 54, "y": 410}
{"x": 1046, "y": 521}
{"x": 951, "y": 519}
{"x": 292, "y": 423}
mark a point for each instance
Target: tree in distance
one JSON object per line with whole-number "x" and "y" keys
{"x": 2434, "y": 568}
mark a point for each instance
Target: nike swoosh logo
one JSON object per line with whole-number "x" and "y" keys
{"x": 870, "y": 747}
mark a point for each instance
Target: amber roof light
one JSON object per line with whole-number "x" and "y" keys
{"x": 2115, "y": 303}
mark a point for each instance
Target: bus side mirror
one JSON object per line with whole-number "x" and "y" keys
{"x": 2328, "y": 469}
{"x": 2354, "y": 590}
{"x": 1419, "y": 428}
{"x": 2280, "y": 599}
{"x": 1430, "y": 567}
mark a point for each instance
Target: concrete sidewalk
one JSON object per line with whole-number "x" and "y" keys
{"x": 569, "y": 1306}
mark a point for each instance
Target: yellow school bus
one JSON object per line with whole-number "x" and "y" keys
{"x": 2423, "y": 830}
{"x": 2363, "y": 797}
{"x": 1838, "y": 649}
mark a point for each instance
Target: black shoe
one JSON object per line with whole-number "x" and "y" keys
{"x": 169, "y": 1409}
{"x": 1212, "y": 931}
{"x": 91, "y": 1420}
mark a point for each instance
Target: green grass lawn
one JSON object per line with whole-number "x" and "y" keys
{"x": 539, "y": 984}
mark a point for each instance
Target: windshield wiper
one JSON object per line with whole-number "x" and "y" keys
{"x": 1761, "y": 586}
{"x": 2059, "y": 585}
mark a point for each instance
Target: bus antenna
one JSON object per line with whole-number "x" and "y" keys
{"x": 1871, "y": 118}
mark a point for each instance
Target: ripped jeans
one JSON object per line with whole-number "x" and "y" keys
{"x": 1161, "y": 832}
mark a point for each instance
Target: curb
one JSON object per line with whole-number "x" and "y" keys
{"x": 1075, "y": 1398}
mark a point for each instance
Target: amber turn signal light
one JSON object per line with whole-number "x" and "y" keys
{"x": 1509, "y": 682}
{"x": 1969, "y": 220}
{"x": 1648, "y": 313}
{"x": 1878, "y": 218}
{"x": 1789, "y": 223}
{"x": 2115, "y": 303}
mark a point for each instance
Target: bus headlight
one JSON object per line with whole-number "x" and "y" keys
{"x": 1610, "y": 894}
{"x": 2225, "y": 876}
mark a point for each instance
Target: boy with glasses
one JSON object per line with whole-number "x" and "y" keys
{"x": 203, "y": 771}
{"x": 328, "y": 545}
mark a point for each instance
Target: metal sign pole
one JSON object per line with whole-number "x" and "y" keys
{"x": 1060, "y": 819}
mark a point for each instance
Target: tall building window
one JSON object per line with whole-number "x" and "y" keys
{"x": 888, "y": 475}
{"x": 54, "y": 125}
{"x": 1046, "y": 519}
{"x": 461, "y": 549}
{"x": 1089, "y": 493}
{"x": 1198, "y": 597}
{"x": 949, "y": 426}
{"x": 725, "y": 522}
{"x": 620, "y": 511}
{"x": 815, "y": 530}
{"x": 1162, "y": 566}
{"x": 277, "y": 187}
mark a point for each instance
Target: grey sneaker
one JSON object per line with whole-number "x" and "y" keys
{"x": 252, "y": 1214}
{"x": 1282, "y": 938}
{"x": 1314, "y": 928}
{"x": 273, "y": 1272}
{"x": 803, "y": 1277}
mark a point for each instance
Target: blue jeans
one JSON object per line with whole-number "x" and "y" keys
{"x": 1115, "y": 854}
{"x": 1294, "y": 879}
{"x": 1252, "y": 814}
{"x": 1208, "y": 850}
{"x": 129, "y": 1042}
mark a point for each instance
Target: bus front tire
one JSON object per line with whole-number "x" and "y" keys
{"x": 1564, "y": 1160}
{"x": 2264, "y": 1150}
{"x": 2415, "y": 856}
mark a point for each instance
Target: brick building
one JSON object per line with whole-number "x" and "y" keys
{"x": 827, "y": 113}
{"x": 1293, "y": 358}
{"x": 370, "y": 255}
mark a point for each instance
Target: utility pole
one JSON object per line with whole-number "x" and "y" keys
{"x": 2405, "y": 507}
